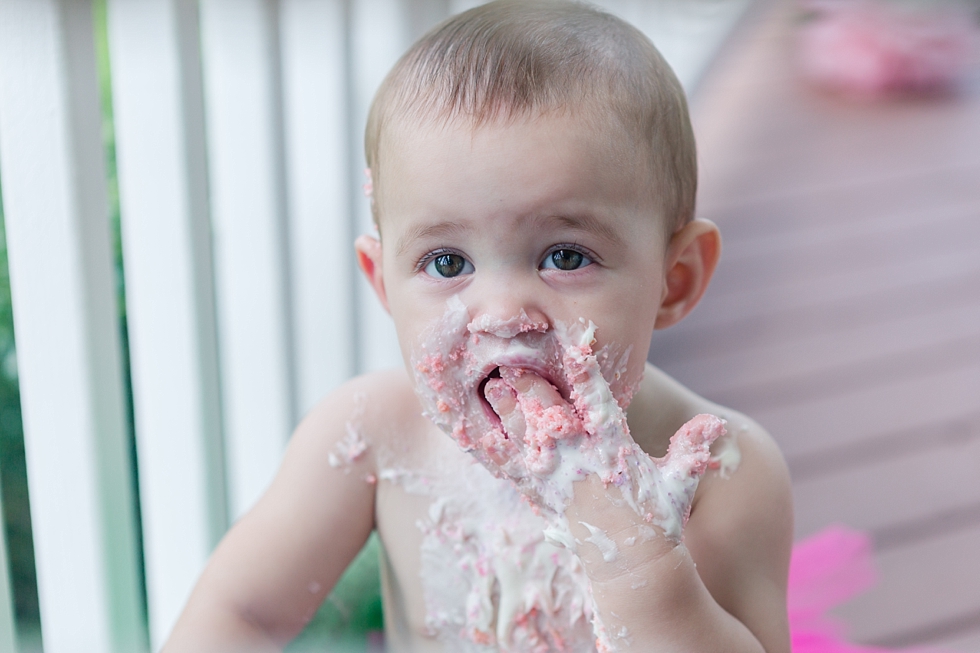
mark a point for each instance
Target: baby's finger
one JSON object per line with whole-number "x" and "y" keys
{"x": 503, "y": 400}
{"x": 690, "y": 448}
{"x": 527, "y": 384}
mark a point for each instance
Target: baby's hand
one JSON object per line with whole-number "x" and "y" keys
{"x": 545, "y": 445}
{"x": 535, "y": 417}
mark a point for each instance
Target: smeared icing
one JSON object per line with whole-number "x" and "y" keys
{"x": 507, "y": 328}
{"x": 491, "y": 582}
{"x": 353, "y": 445}
{"x": 606, "y": 546}
{"x": 725, "y": 456}
{"x": 464, "y": 367}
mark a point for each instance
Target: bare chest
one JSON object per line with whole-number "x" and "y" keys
{"x": 467, "y": 567}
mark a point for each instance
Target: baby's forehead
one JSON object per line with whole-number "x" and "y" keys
{"x": 563, "y": 158}
{"x": 530, "y": 169}
{"x": 403, "y": 135}
{"x": 544, "y": 150}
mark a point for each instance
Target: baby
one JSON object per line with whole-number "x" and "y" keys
{"x": 533, "y": 174}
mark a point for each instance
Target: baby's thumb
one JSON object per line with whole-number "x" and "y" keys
{"x": 690, "y": 448}
{"x": 503, "y": 399}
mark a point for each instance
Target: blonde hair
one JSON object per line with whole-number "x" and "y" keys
{"x": 519, "y": 58}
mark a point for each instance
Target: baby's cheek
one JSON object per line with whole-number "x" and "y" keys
{"x": 621, "y": 369}
{"x": 625, "y": 387}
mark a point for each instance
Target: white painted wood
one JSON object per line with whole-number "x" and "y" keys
{"x": 423, "y": 15}
{"x": 459, "y": 6}
{"x": 379, "y": 35}
{"x": 8, "y": 632}
{"x": 687, "y": 33}
{"x": 159, "y": 121}
{"x": 65, "y": 318}
{"x": 239, "y": 42}
{"x": 317, "y": 145}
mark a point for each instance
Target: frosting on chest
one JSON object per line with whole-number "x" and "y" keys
{"x": 491, "y": 582}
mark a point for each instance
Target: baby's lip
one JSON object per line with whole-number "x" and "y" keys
{"x": 507, "y": 328}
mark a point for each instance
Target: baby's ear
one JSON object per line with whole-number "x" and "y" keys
{"x": 368, "y": 250}
{"x": 691, "y": 259}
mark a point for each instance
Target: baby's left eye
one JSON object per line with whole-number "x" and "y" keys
{"x": 565, "y": 259}
{"x": 448, "y": 265}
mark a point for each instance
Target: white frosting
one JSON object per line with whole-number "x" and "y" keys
{"x": 353, "y": 445}
{"x": 606, "y": 546}
{"x": 491, "y": 581}
{"x": 725, "y": 455}
{"x": 504, "y": 328}
{"x": 562, "y": 443}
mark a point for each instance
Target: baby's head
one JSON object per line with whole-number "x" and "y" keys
{"x": 534, "y": 160}
{"x": 515, "y": 60}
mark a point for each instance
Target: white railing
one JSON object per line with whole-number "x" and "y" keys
{"x": 238, "y": 126}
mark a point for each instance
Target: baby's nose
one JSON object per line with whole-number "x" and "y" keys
{"x": 508, "y": 327}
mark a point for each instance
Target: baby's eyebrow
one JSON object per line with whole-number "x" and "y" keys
{"x": 587, "y": 223}
{"x": 438, "y": 230}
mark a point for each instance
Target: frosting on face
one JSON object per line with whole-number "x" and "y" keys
{"x": 505, "y": 328}
{"x": 462, "y": 368}
{"x": 543, "y": 438}
{"x": 456, "y": 356}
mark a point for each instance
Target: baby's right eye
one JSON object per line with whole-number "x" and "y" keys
{"x": 447, "y": 266}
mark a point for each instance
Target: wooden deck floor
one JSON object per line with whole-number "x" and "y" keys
{"x": 845, "y": 317}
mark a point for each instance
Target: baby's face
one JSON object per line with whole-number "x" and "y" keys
{"x": 544, "y": 216}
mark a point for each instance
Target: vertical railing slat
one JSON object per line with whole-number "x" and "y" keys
{"x": 317, "y": 126}
{"x": 153, "y": 45}
{"x": 66, "y": 325}
{"x": 687, "y": 33}
{"x": 241, "y": 85}
{"x": 380, "y": 33}
{"x": 422, "y": 15}
{"x": 459, "y": 6}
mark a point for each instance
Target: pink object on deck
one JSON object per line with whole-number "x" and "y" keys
{"x": 826, "y": 570}
{"x": 875, "y": 47}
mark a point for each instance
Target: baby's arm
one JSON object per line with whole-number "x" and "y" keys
{"x": 271, "y": 572}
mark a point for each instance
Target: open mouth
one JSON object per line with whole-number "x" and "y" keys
{"x": 482, "y": 391}
{"x": 562, "y": 389}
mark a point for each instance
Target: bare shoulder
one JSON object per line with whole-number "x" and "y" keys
{"x": 280, "y": 560}
{"x": 370, "y": 408}
{"x": 741, "y": 526}
{"x": 743, "y": 512}
{"x": 740, "y": 533}
{"x": 748, "y": 457}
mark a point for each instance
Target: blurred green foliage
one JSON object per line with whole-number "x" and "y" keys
{"x": 351, "y": 611}
{"x": 13, "y": 467}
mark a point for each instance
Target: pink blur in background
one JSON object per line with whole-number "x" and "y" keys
{"x": 872, "y": 48}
